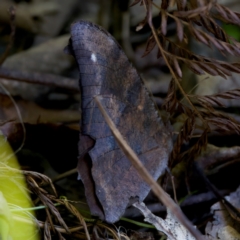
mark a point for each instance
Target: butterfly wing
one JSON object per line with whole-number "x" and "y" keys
{"x": 106, "y": 72}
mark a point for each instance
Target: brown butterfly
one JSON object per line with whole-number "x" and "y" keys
{"x": 109, "y": 178}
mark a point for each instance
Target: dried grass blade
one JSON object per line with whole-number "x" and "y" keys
{"x": 236, "y": 49}
{"x": 230, "y": 67}
{"x": 213, "y": 100}
{"x": 76, "y": 213}
{"x": 49, "y": 219}
{"x": 151, "y": 43}
{"x": 199, "y": 35}
{"x": 223, "y": 70}
{"x": 180, "y": 32}
{"x": 221, "y": 11}
{"x": 171, "y": 103}
{"x": 45, "y": 180}
{"x": 218, "y": 44}
{"x": 209, "y": 69}
{"x": 211, "y": 26}
{"x": 208, "y": 101}
{"x": 224, "y": 124}
{"x": 192, "y": 13}
{"x": 177, "y": 67}
{"x": 194, "y": 67}
{"x": 218, "y": 31}
{"x": 47, "y": 232}
{"x": 222, "y": 121}
{"x": 163, "y": 22}
{"x": 236, "y": 66}
{"x": 141, "y": 24}
{"x": 46, "y": 200}
{"x": 232, "y": 15}
{"x": 232, "y": 94}
{"x": 228, "y": 15}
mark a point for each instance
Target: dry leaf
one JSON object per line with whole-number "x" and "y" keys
{"x": 169, "y": 226}
{"x": 223, "y": 226}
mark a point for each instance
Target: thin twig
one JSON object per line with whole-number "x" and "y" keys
{"x": 160, "y": 193}
{"x": 64, "y": 175}
{"x": 40, "y": 78}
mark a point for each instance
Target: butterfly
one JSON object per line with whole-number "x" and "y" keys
{"x": 111, "y": 182}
